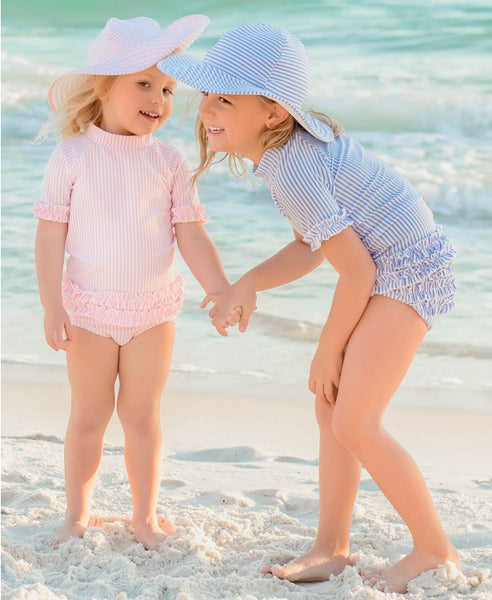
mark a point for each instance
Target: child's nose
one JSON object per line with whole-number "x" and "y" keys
{"x": 159, "y": 97}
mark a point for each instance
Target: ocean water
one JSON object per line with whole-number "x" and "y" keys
{"x": 411, "y": 81}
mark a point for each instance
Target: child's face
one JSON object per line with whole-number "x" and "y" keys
{"x": 139, "y": 103}
{"x": 234, "y": 123}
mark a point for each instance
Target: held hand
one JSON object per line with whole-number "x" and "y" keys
{"x": 324, "y": 376}
{"x": 234, "y": 305}
{"x": 57, "y": 329}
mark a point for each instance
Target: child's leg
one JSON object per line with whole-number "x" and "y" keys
{"x": 378, "y": 355}
{"x": 92, "y": 363}
{"x": 144, "y": 367}
{"x": 339, "y": 474}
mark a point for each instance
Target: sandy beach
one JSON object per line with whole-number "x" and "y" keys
{"x": 239, "y": 480}
{"x": 239, "y": 466}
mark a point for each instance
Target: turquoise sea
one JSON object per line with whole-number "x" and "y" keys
{"x": 412, "y": 81}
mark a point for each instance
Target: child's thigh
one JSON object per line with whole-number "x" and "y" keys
{"x": 92, "y": 364}
{"x": 144, "y": 365}
{"x": 378, "y": 355}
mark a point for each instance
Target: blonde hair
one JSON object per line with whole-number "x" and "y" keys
{"x": 80, "y": 110}
{"x": 83, "y": 107}
{"x": 274, "y": 137}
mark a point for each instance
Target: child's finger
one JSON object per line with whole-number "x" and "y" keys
{"x": 244, "y": 320}
{"x": 208, "y": 298}
{"x": 234, "y": 317}
{"x": 51, "y": 342}
{"x": 328, "y": 391}
{"x": 64, "y": 343}
{"x": 57, "y": 339}
{"x": 230, "y": 320}
{"x": 221, "y": 330}
{"x": 68, "y": 330}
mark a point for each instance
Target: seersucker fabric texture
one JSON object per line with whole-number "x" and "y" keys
{"x": 254, "y": 59}
{"x": 324, "y": 187}
{"x": 127, "y": 46}
{"x": 121, "y": 196}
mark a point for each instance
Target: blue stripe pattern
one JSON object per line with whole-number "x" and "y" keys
{"x": 324, "y": 187}
{"x": 254, "y": 59}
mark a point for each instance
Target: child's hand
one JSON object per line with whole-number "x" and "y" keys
{"x": 235, "y": 305}
{"x": 231, "y": 319}
{"x": 324, "y": 376}
{"x": 57, "y": 329}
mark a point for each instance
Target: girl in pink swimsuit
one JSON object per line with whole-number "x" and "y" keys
{"x": 114, "y": 198}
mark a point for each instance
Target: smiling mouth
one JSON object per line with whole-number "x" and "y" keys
{"x": 150, "y": 115}
{"x": 215, "y": 130}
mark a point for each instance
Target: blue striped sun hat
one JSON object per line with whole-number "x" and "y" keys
{"x": 253, "y": 59}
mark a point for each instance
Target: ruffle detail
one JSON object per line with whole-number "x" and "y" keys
{"x": 189, "y": 213}
{"x": 421, "y": 276}
{"x": 124, "y": 309}
{"x": 52, "y": 212}
{"x": 326, "y": 229}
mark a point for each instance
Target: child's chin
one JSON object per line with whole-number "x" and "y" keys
{"x": 214, "y": 146}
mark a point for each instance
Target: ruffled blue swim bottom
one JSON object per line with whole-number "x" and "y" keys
{"x": 420, "y": 275}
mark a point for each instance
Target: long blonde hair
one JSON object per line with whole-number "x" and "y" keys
{"x": 80, "y": 110}
{"x": 274, "y": 137}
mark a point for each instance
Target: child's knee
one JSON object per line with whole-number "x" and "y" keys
{"x": 87, "y": 423}
{"x": 352, "y": 432}
{"x": 141, "y": 420}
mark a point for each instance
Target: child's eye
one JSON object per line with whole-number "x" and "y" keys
{"x": 167, "y": 91}
{"x": 223, "y": 100}
{"x": 144, "y": 84}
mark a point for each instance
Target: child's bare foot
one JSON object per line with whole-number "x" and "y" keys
{"x": 152, "y": 534}
{"x": 77, "y": 528}
{"x": 313, "y": 566}
{"x": 68, "y": 530}
{"x": 396, "y": 577}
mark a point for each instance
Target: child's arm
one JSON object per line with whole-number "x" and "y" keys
{"x": 357, "y": 274}
{"x": 201, "y": 256}
{"x": 292, "y": 262}
{"x": 50, "y": 254}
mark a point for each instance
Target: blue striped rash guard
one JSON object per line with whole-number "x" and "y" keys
{"x": 324, "y": 187}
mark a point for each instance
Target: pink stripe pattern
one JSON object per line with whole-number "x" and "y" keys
{"x": 121, "y": 196}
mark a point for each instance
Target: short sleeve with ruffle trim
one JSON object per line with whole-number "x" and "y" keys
{"x": 185, "y": 204}
{"x": 303, "y": 192}
{"x": 56, "y": 192}
{"x": 326, "y": 229}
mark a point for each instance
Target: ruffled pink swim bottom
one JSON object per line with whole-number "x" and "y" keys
{"x": 121, "y": 335}
{"x": 121, "y": 315}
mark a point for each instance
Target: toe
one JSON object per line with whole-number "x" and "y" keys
{"x": 166, "y": 526}
{"x": 278, "y": 571}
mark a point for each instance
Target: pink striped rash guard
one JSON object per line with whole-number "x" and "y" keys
{"x": 120, "y": 196}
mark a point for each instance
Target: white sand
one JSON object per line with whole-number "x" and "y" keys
{"x": 239, "y": 480}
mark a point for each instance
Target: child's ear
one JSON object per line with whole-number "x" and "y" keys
{"x": 102, "y": 85}
{"x": 99, "y": 87}
{"x": 277, "y": 114}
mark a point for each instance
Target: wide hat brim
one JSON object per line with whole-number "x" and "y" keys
{"x": 200, "y": 75}
{"x": 179, "y": 35}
